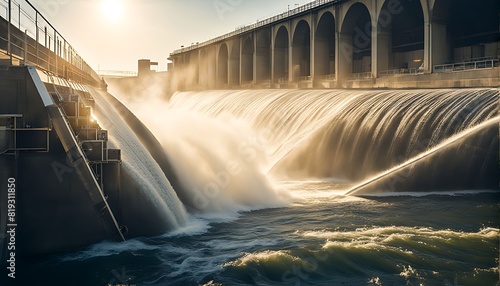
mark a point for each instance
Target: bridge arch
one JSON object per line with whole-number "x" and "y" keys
{"x": 247, "y": 67}
{"x": 462, "y": 31}
{"x": 222, "y": 66}
{"x": 301, "y": 50}
{"x": 355, "y": 43}
{"x": 401, "y": 36}
{"x": 281, "y": 54}
{"x": 324, "y": 45}
{"x": 193, "y": 71}
{"x": 263, "y": 53}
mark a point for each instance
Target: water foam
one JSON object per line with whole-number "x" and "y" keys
{"x": 263, "y": 256}
{"x": 389, "y": 233}
{"x": 218, "y": 160}
{"x": 107, "y": 248}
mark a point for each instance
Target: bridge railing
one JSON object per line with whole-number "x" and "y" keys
{"x": 412, "y": 71}
{"x": 361, "y": 75}
{"x": 302, "y": 78}
{"x": 27, "y": 37}
{"x": 262, "y": 23}
{"x": 468, "y": 65}
{"x": 327, "y": 77}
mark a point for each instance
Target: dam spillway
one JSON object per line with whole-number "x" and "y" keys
{"x": 352, "y": 135}
{"x": 234, "y": 184}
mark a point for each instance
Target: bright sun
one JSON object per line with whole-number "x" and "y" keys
{"x": 112, "y": 9}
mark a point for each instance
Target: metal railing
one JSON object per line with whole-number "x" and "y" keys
{"x": 27, "y": 37}
{"x": 361, "y": 75}
{"x": 468, "y": 65}
{"x": 411, "y": 71}
{"x": 243, "y": 29}
{"x": 303, "y": 78}
{"x": 327, "y": 77}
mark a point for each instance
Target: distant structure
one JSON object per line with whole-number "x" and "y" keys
{"x": 116, "y": 74}
{"x": 144, "y": 67}
{"x": 353, "y": 44}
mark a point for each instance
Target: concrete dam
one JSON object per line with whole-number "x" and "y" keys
{"x": 86, "y": 168}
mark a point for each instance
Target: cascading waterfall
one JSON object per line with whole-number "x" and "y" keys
{"x": 140, "y": 165}
{"x": 356, "y": 134}
{"x": 224, "y": 145}
{"x": 218, "y": 161}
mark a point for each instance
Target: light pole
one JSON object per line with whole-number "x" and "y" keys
{"x": 8, "y": 32}
{"x": 288, "y": 9}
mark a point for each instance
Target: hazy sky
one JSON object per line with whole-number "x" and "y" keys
{"x": 114, "y": 34}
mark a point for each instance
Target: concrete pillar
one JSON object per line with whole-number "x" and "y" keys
{"x": 217, "y": 80}
{"x": 440, "y": 47}
{"x": 248, "y": 58}
{"x": 182, "y": 75}
{"x": 337, "y": 55}
{"x": 193, "y": 69}
{"x": 375, "y": 51}
{"x": 202, "y": 70}
{"x": 255, "y": 65}
{"x": 312, "y": 37}
{"x": 290, "y": 54}
{"x": 273, "y": 43}
{"x": 234, "y": 52}
{"x": 427, "y": 47}
{"x": 240, "y": 62}
{"x": 212, "y": 66}
{"x": 383, "y": 50}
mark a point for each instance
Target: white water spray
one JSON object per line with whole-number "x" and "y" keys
{"x": 138, "y": 162}
{"x": 219, "y": 161}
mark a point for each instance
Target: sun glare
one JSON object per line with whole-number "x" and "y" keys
{"x": 113, "y": 10}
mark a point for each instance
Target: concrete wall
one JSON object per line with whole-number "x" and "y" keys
{"x": 57, "y": 207}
